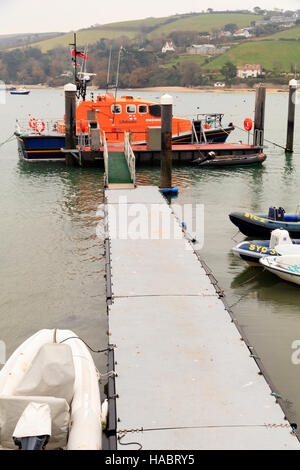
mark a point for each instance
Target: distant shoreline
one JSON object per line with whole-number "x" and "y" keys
{"x": 173, "y": 89}
{"x": 177, "y": 89}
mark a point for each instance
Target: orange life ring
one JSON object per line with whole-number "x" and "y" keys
{"x": 248, "y": 124}
{"x": 33, "y": 123}
{"x": 206, "y": 126}
{"x": 39, "y": 129}
{"x": 43, "y": 126}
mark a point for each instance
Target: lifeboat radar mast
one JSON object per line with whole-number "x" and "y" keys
{"x": 83, "y": 77}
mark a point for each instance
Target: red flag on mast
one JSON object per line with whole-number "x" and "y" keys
{"x": 78, "y": 54}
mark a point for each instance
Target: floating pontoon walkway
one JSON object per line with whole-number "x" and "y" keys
{"x": 185, "y": 379}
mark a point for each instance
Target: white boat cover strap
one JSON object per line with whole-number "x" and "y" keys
{"x": 35, "y": 421}
{"x": 51, "y": 373}
{"x": 12, "y": 408}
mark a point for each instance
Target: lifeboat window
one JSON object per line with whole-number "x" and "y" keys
{"x": 155, "y": 110}
{"x": 91, "y": 115}
{"x": 143, "y": 108}
{"x": 131, "y": 109}
{"x": 116, "y": 109}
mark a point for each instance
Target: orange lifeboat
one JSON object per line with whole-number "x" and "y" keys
{"x": 125, "y": 114}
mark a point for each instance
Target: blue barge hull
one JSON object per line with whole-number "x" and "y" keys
{"x": 48, "y": 147}
{"x": 41, "y": 148}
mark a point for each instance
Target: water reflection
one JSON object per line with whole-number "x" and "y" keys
{"x": 53, "y": 274}
{"x": 82, "y": 188}
{"x": 289, "y": 168}
{"x": 258, "y": 284}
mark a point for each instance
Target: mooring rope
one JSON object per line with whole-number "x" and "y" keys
{"x": 269, "y": 141}
{"x": 110, "y": 348}
{"x": 129, "y": 443}
{"x": 9, "y": 139}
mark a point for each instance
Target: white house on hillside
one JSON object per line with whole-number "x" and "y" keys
{"x": 168, "y": 47}
{"x": 225, "y": 34}
{"x": 249, "y": 70}
{"x": 242, "y": 33}
{"x": 202, "y": 49}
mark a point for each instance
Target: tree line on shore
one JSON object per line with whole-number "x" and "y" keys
{"x": 140, "y": 66}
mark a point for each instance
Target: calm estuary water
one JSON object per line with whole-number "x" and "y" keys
{"x": 52, "y": 265}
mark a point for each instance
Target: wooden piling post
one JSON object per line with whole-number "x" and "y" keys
{"x": 70, "y": 121}
{"x": 291, "y": 117}
{"x": 166, "y": 102}
{"x": 259, "y": 118}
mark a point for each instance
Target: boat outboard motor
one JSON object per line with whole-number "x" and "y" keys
{"x": 272, "y": 213}
{"x": 33, "y": 429}
{"x": 276, "y": 214}
{"x": 32, "y": 443}
{"x": 280, "y": 213}
{"x": 211, "y": 155}
{"x": 280, "y": 237}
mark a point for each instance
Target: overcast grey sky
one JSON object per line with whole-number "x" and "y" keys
{"x": 66, "y": 15}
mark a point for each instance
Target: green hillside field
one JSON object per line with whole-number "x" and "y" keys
{"x": 87, "y": 36}
{"x": 292, "y": 33}
{"x": 272, "y": 55}
{"x": 197, "y": 59}
{"x": 131, "y": 29}
{"x": 205, "y": 22}
{"x": 149, "y": 28}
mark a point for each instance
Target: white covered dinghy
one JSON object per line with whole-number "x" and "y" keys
{"x": 51, "y": 385}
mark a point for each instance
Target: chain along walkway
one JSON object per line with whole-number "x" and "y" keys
{"x": 184, "y": 377}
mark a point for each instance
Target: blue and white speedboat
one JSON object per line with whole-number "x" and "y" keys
{"x": 279, "y": 244}
{"x": 262, "y": 225}
{"x": 286, "y": 267}
{"x": 20, "y": 91}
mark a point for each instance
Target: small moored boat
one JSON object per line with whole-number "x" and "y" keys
{"x": 252, "y": 251}
{"x": 49, "y": 395}
{"x": 20, "y": 91}
{"x": 262, "y": 225}
{"x": 286, "y": 267}
{"x": 7, "y": 88}
{"x": 228, "y": 160}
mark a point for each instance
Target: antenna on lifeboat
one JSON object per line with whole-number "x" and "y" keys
{"x": 108, "y": 69}
{"x": 74, "y": 59}
{"x": 83, "y": 65}
{"x": 81, "y": 78}
{"x": 84, "y": 78}
{"x": 118, "y": 72}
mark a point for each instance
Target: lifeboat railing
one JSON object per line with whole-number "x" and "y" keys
{"x": 203, "y": 132}
{"x": 195, "y": 135}
{"x": 34, "y": 126}
{"x": 213, "y": 119}
{"x": 82, "y": 141}
{"x": 130, "y": 157}
{"x": 105, "y": 158}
